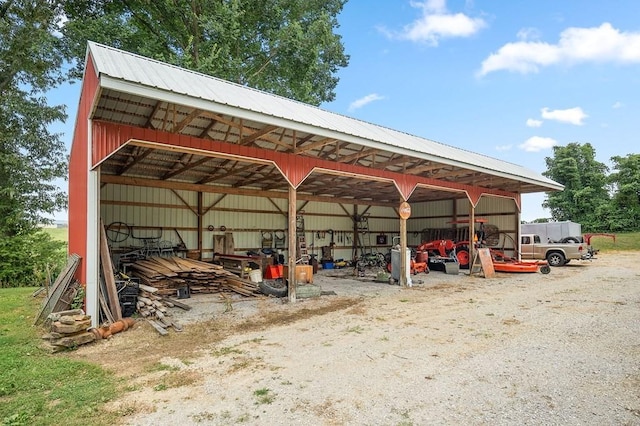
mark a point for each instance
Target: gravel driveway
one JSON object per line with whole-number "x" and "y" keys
{"x": 556, "y": 349}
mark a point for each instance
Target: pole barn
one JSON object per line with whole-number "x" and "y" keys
{"x": 173, "y": 155}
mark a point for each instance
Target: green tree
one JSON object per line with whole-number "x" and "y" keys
{"x": 286, "y": 47}
{"x": 623, "y": 213}
{"x": 31, "y": 156}
{"x": 585, "y": 182}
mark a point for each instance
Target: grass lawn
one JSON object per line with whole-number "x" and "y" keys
{"x": 628, "y": 241}
{"x": 58, "y": 234}
{"x": 37, "y": 387}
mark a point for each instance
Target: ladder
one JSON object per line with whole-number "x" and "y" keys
{"x": 303, "y": 252}
{"x": 364, "y": 236}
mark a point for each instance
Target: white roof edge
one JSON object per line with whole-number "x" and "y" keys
{"x": 146, "y": 84}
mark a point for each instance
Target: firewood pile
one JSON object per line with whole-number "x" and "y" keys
{"x": 155, "y": 308}
{"x": 169, "y": 274}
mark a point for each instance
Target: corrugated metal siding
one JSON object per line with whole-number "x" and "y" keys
{"x": 147, "y": 210}
{"x": 133, "y": 68}
{"x": 78, "y": 172}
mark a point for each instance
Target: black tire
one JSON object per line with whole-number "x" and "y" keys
{"x": 545, "y": 269}
{"x": 556, "y": 258}
{"x": 271, "y": 288}
{"x": 571, "y": 240}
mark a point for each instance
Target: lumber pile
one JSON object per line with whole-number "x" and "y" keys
{"x": 57, "y": 298}
{"x": 168, "y": 275}
{"x": 241, "y": 286}
{"x": 155, "y": 308}
{"x": 110, "y": 309}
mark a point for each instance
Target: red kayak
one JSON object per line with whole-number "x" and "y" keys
{"x": 516, "y": 266}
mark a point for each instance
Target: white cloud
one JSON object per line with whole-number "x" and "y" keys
{"x": 572, "y": 115}
{"x": 437, "y": 23}
{"x": 359, "y": 103}
{"x": 537, "y": 143}
{"x": 528, "y": 34}
{"x": 576, "y": 45}
{"x": 502, "y": 148}
{"x": 617, "y": 105}
{"x": 534, "y": 123}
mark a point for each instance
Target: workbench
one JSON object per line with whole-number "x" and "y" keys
{"x": 238, "y": 264}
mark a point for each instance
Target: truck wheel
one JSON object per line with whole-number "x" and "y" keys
{"x": 556, "y": 259}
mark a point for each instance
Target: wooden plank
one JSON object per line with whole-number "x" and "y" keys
{"x": 218, "y": 244}
{"x": 109, "y": 279}
{"x": 177, "y": 303}
{"x": 104, "y": 306}
{"x": 148, "y": 288}
{"x": 59, "y": 287}
{"x": 158, "y": 327}
{"x": 229, "y": 247}
{"x": 487, "y": 262}
{"x": 156, "y": 267}
{"x": 166, "y": 263}
{"x": 483, "y": 255}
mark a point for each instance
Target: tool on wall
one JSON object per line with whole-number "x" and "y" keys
{"x": 280, "y": 238}
{"x": 267, "y": 239}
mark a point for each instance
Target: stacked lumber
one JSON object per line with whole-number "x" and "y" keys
{"x": 241, "y": 286}
{"x": 110, "y": 309}
{"x": 68, "y": 329}
{"x": 155, "y": 308}
{"x": 168, "y": 275}
{"x": 55, "y": 299}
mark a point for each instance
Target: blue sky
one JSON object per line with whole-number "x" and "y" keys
{"x": 506, "y": 78}
{"x": 509, "y": 79}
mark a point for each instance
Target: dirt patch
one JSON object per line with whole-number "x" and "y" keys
{"x": 147, "y": 348}
{"x": 560, "y": 348}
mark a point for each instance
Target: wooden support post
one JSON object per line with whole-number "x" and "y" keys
{"x": 292, "y": 252}
{"x": 404, "y": 211}
{"x": 517, "y": 216}
{"x": 200, "y": 209}
{"x": 472, "y": 232}
{"x": 356, "y": 236}
{"x": 403, "y": 252}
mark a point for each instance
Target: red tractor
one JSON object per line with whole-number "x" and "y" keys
{"x": 436, "y": 253}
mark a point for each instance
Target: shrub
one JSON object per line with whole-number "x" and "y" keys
{"x": 30, "y": 259}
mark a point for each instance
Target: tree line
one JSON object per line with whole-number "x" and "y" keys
{"x": 600, "y": 198}
{"x": 286, "y": 47}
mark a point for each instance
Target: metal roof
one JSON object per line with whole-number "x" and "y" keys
{"x": 143, "y": 92}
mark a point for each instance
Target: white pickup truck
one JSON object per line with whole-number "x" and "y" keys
{"x": 556, "y": 254}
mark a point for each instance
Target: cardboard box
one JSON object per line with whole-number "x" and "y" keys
{"x": 304, "y": 273}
